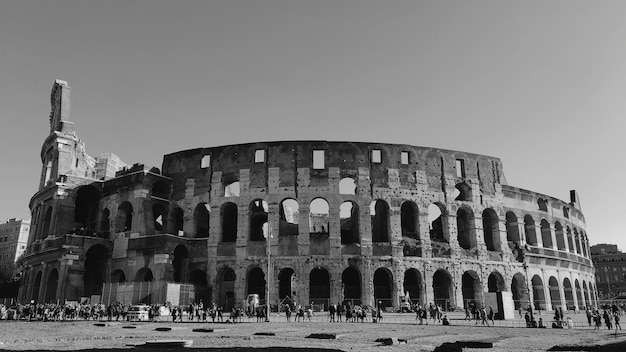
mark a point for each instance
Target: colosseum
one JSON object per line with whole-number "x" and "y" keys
{"x": 317, "y": 222}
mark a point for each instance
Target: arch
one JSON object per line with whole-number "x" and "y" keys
{"x": 464, "y": 220}
{"x": 529, "y": 228}
{"x": 471, "y": 289}
{"x": 383, "y": 287}
{"x": 158, "y": 217}
{"x": 560, "y": 240}
{"x": 118, "y": 276}
{"x": 201, "y": 220}
{"x": 568, "y": 293}
{"x": 512, "y": 227}
{"x": 495, "y": 282}
{"x": 518, "y": 290}
{"x": 539, "y": 298}
{"x": 349, "y": 221}
{"x": 319, "y": 286}
{"x": 232, "y": 189}
{"x": 546, "y": 234}
{"x": 555, "y": 294}
{"x": 579, "y": 294}
{"x": 51, "y": 286}
{"x": 198, "y": 278}
{"x": 347, "y": 186}
{"x": 258, "y": 212}
{"x": 36, "y": 285}
{"x": 256, "y": 282}
{"x": 288, "y": 212}
{"x": 491, "y": 229}
{"x": 578, "y": 241}
{"x": 319, "y": 214}
{"x": 442, "y": 288}
{"x": 229, "y": 214}
{"x": 585, "y": 244}
{"x": 176, "y": 221}
{"x": 542, "y": 204}
{"x": 180, "y": 263}
{"x": 96, "y": 260}
{"x": 565, "y": 212}
{"x": 586, "y": 293}
{"x": 435, "y": 220}
{"x": 379, "y": 213}
{"x": 124, "y": 217}
{"x": 465, "y": 192}
{"x": 351, "y": 285}
{"x": 412, "y": 285}
{"x": 144, "y": 274}
{"x": 409, "y": 220}
{"x": 570, "y": 240}
{"x": 105, "y": 221}
{"x": 86, "y": 207}
{"x": 226, "y": 288}
{"x": 160, "y": 189}
{"x": 286, "y": 278}
{"x": 46, "y": 223}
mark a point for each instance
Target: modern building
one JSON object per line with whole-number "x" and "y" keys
{"x": 365, "y": 223}
{"x": 13, "y": 239}
{"x": 610, "y": 264}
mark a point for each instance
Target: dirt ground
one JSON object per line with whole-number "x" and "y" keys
{"x": 289, "y": 336}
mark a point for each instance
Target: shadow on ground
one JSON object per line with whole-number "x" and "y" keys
{"x": 207, "y": 349}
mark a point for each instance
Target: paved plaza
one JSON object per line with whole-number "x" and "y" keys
{"x": 281, "y": 335}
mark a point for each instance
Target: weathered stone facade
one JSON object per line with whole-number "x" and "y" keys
{"x": 362, "y": 222}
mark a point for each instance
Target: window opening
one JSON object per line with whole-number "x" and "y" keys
{"x": 404, "y": 158}
{"x": 460, "y": 168}
{"x": 259, "y": 156}
{"x": 376, "y": 156}
{"x": 318, "y": 159}
{"x": 206, "y": 161}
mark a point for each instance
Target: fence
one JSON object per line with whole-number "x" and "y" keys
{"x": 148, "y": 292}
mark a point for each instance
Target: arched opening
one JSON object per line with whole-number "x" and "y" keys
{"x": 319, "y": 211}
{"x": 569, "y": 294}
{"x": 491, "y": 229}
{"x": 518, "y": 291}
{"x": 51, "y": 286}
{"x": 201, "y": 286}
{"x": 584, "y": 244}
{"x": 118, "y": 276}
{"x": 412, "y": 285}
{"x": 180, "y": 263}
{"x": 408, "y": 219}
{"x": 579, "y": 295}
{"x": 546, "y": 234}
{"x": 351, "y": 286}
{"x": 529, "y": 228}
{"x": 464, "y": 219}
{"x": 288, "y": 212}
{"x": 442, "y": 288}
{"x": 176, "y": 221}
{"x": 349, "y": 221}
{"x": 258, "y": 211}
{"x": 512, "y": 229}
{"x": 160, "y": 189}
{"x": 379, "y": 212}
{"x": 124, "y": 217}
{"x": 560, "y": 240}
{"x": 232, "y": 189}
{"x": 347, "y": 186}
{"x": 435, "y": 220}
{"x": 158, "y": 217}
{"x": 539, "y": 298}
{"x": 201, "y": 220}
{"x": 570, "y": 240}
{"x": 45, "y": 231}
{"x": 37, "y": 284}
{"x": 319, "y": 287}
{"x": 95, "y": 267}
{"x": 383, "y": 287}
{"x": 86, "y": 208}
{"x": 555, "y": 294}
{"x": 542, "y": 204}
{"x": 472, "y": 289}
{"x": 464, "y": 192}
{"x": 495, "y": 282}
{"x": 257, "y": 282}
{"x": 226, "y": 289}
{"x": 286, "y": 284}
{"x": 144, "y": 274}
{"x": 229, "y": 222}
{"x": 578, "y": 240}
{"x": 105, "y": 223}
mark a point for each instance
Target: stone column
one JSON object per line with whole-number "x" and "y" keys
{"x": 42, "y": 285}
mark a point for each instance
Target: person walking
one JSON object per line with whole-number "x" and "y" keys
{"x": 483, "y": 317}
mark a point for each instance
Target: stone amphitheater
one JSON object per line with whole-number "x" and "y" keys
{"x": 365, "y": 223}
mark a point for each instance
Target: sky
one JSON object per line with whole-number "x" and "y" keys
{"x": 539, "y": 84}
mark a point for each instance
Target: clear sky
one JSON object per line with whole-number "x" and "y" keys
{"x": 540, "y": 84}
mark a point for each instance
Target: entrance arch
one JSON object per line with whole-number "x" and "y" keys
{"x": 383, "y": 288}
{"x": 569, "y": 294}
{"x": 144, "y": 274}
{"x": 180, "y": 262}
{"x": 442, "y": 288}
{"x": 51, "y": 286}
{"x": 226, "y": 289}
{"x": 257, "y": 283}
{"x": 472, "y": 289}
{"x": 539, "y": 300}
{"x": 412, "y": 285}
{"x": 95, "y": 266}
{"x": 118, "y": 276}
{"x": 319, "y": 286}
{"x": 518, "y": 290}
{"x": 285, "y": 283}
{"x": 495, "y": 283}
{"x": 555, "y": 293}
{"x": 351, "y": 285}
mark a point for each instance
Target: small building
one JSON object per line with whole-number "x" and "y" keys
{"x": 610, "y": 264}
{"x": 13, "y": 239}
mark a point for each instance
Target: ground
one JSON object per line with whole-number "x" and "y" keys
{"x": 361, "y": 337}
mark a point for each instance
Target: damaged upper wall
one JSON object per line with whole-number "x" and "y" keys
{"x": 389, "y": 165}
